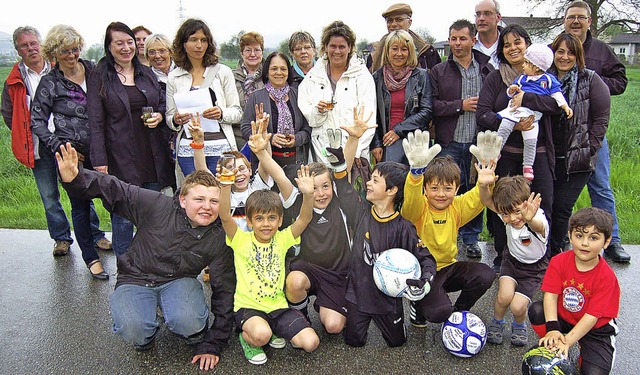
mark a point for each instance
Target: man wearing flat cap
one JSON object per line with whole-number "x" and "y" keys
{"x": 398, "y": 16}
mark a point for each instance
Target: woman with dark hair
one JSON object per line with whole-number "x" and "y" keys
{"x": 198, "y": 69}
{"x": 578, "y": 139}
{"x": 61, "y": 97}
{"x": 122, "y": 143}
{"x": 291, "y": 132}
{"x": 404, "y": 97}
{"x": 336, "y": 84}
{"x": 512, "y": 44}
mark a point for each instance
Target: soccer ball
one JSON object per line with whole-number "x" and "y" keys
{"x": 392, "y": 269}
{"x": 464, "y": 334}
{"x": 542, "y": 361}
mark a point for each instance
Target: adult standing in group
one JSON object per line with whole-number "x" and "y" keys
{"x": 199, "y": 69}
{"x": 62, "y": 97}
{"x": 398, "y": 17}
{"x": 122, "y": 143}
{"x": 248, "y": 74}
{"x": 600, "y": 58}
{"x": 487, "y": 20}
{"x": 290, "y": 129}
{"x": 141, "y": 33}
{"x": 512, "y": 44}
{"x": 302, "y": 48}
{"x": 456, "y": 84}
{"x": 577, "y": 140}
{"x": 337, "y": 84}
{"x": 158, "y": 51}
{"x": 403, "y": 92}
{"x": 18, "y": 92}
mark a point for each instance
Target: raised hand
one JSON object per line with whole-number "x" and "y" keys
{"x": 196, "y": 129}
{"x": 305, "y": 180}
{"x": 486, "y": 172}
{"x": 417, "y": 150}
{"x": 359, "y": 123}
{"x": 530, "y": 207}
{"x": 488, "y": 148}
{"x": 261, "y": 115}
{"x": 259, "y": 139}
{"x": 67, "y": 159}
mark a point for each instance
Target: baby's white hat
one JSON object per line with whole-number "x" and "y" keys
{"x": 540, "y": 55}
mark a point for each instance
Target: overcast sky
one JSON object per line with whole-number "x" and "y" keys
{"x": 275, "y": 20}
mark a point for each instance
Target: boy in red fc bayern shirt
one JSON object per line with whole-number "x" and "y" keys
{"x": 582, "y": 295}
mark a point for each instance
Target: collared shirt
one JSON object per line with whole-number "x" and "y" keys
{"x": 491, "y": 51}
{"x": 471, "y": 84}
{"x": 33, "y": 78}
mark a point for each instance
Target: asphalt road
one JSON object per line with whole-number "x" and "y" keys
{"x": 55, "y": 319}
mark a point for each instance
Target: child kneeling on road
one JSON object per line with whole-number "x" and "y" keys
{"x": 378, "y": 227}
{"x": 524, "y": 265}
{"x": 260, "y": 306}
{"x": 582, "y": 295}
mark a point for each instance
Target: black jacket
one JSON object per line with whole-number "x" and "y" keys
{"x": 600, "y": 58}
{"x": 579, "y": 138}
{"x": 166, "y": 247}
{"x": 417, "y": 105}
{"x": 446, "y": 84}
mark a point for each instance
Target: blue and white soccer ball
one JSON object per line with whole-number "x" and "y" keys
{"x": 392, "y": 269}
{"x": 464, "y": 334}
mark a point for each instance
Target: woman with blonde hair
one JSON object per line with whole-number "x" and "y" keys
{"x": 403, "y": 92}
{"x": 62, "y": 98}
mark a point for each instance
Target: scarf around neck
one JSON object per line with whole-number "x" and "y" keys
{"x": 285, "y": 121}
{"x": 396, "y": 80}
{"x": 569, "y": 84}
{"x": 508, "y": 74}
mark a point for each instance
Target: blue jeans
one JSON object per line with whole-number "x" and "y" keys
{"x": 600, "y": 189}
{"x": 133, "y": 309}
{"x": 470, "y": 232}
{"x": 188, "y": 166}
{"x": 45, "y": 173}
{"x": 122, "y": 228}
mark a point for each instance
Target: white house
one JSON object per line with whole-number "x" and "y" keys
{"x": 627, "y": 45}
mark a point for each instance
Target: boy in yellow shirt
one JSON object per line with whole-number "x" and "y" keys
{"x": 431, "y": 204}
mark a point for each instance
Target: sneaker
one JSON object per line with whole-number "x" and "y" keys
{"x": 277, "y": 342}
{"x": 519, "y": 335}
{"x": 527, "y": 172}
{"x": 61, "y": 248}
{"x": 104, "y": 244}
{"x": 494, "y": 332}
{"x": 415, "y": 316}
{"x": 255, "y": 356}
{"x": 616, "y": 253}
{"x": 473, "y": 251}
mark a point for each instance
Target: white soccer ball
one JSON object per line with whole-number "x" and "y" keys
{"x": 392, "y": 269}
{"x": 464, "y": 334}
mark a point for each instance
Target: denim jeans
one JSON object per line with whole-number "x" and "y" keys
{"x": 45, "y": 173}
{"x": 133, "y": 309}
{"x": 122, "y": 228}
{"x": 470, "y": 232}
{"x": 188, "y": 165}
{"x": 600, "y": 189}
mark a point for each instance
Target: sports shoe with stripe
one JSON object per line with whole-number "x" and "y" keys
{"x": 254, "y": 355}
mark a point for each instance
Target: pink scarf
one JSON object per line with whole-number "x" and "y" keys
{"x": 396, "y": 80}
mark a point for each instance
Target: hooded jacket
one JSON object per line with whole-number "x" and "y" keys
{"x": 355, "y": 88}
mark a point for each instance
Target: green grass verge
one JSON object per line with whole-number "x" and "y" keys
{"x": 21, "y": 206}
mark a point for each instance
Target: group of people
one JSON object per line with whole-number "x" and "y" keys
{"x": 437, "y": 131}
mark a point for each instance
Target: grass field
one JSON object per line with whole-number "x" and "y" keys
{"x": 21, "y": 206}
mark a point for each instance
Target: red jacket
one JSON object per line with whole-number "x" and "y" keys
{"x": 21, "y": 137}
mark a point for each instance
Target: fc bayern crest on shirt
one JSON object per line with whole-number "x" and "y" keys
{"x": 572, "y": 299}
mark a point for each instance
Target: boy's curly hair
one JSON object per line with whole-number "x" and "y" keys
{"x": 591, "y": 216}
